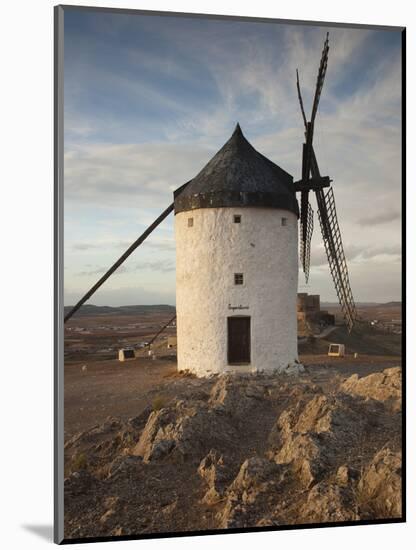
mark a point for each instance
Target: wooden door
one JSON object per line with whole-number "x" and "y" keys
{"x": 238, "y": 340}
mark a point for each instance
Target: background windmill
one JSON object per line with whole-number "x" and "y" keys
{"x": 311, "y": 181}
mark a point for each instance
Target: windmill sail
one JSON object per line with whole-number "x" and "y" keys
{"x": 334, "y": 249}
{"x": 305, "y": 243}
{"x": 306, "y": 213}
{"x": 326, "y": 206}
{"x": 320, "y": 78}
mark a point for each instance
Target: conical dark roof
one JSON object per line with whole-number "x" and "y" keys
{"x": 239, "y": 176}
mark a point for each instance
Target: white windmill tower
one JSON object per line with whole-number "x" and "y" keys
{"x": 236, "y": 232}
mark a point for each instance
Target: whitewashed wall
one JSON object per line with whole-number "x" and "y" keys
{"x": 207, "y": 256}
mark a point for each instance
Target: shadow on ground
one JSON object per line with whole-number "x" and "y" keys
{"x": 43, "y": 531}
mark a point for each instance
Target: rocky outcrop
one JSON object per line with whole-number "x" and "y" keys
{"x": 381, "y": 386}
{"x": 380, "y": 487}
{"x": 94, "y": 449}
{"x": 257, "y": 475}
{"x": 238, "y": 452}
{"x": 316, "y": 434}
{"x": 236, "y": 395}
{"x": 185, "y": 431}
{"x": 216, "y": 475}
{"x": 329, "y": 502}
{"x": 248, "y": 496}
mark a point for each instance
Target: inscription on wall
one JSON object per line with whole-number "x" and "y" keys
{"x": 233, "y": 308}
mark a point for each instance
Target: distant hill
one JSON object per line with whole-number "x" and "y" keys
{"x": 363, "y": 304}
{"x": 392, "y": 304}
{"x": 91, "y": 310}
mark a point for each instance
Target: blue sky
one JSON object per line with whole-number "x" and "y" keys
{"x": 150, "y": 99}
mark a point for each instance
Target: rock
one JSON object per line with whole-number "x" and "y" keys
{"x": 216, "y": 475}
{"x": 306, "y": 455}
{"x": 154, "y": 438}
{"x": 138, "y": 422}
{"x": 254, "y": 391}
{"x": 183, "y": 431}
{"x": 110, "y": 503}
{"x": 95, "y": 434}
{"x": 233, "y": 516}
{"x": 118, "y": 532}
{"x": 110, "y": 425}
{"x": 380, "y": 487}
{"x": 257, "y": 480}
{"x": 314, "y": 434}
{"x": 267, "y": 522}
{"x": 256, "y": 474}
{"x": 123, "y": 464}
{"x": 343, "y": 476}
{"x": 381, "y": 386}
{"x": 293, "y": 369}
{"x": 169, "y": 508}
{"x": 329, "y": 503}
{"x": 161, "y": 449}
{"x": 324, "y": 414}
{"x": 346, "y": 475}
{"x": 79, "y": 483}
{"x": 236, "y": 395}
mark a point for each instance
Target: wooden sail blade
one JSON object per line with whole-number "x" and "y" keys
{"x": 305, "y": 244}
{"x": 320, "y": 78}
{"x": 309, "y": 126}
{"x": 302, "y": 109}
{"x": 335, "y": 253}
{"x": 306, "y": 212}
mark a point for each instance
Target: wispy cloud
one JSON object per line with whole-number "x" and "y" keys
{"x": 131, "y": 175}
{"x": 356, "y": 254}
{"x": 155, "y": 243}
{"x": 101, "y": 271}
{"x": 163, "y": 266}
{"x": 382, "y": 218}
{"x": 84, "y": 246}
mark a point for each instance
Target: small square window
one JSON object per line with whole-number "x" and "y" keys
{"x": 284, "y": 221}
{"x": 238, "y": 278}
{"x": 237, "y": 218}
{"x": 190, "y": 222}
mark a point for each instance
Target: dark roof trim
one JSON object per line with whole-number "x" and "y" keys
{"x": 236, "y": 199}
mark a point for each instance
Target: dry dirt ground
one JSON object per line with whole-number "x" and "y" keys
{"x": 149, "y": 451}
